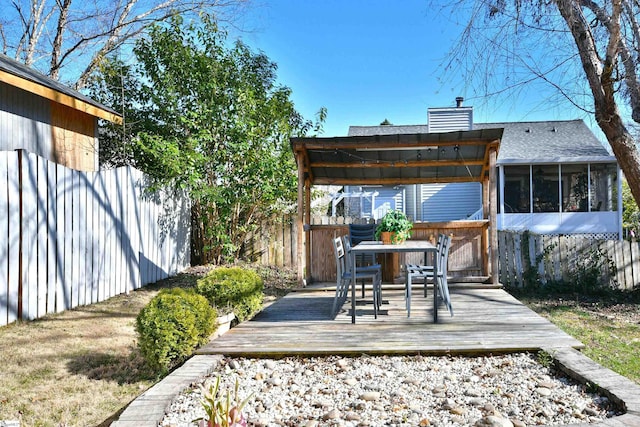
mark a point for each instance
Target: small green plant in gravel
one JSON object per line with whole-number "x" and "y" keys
{"x": 221, "y": 409}
{"x": 545, "y": 359}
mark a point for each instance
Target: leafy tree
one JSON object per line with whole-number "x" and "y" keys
{"x": 116, "y": 84}
{"x": 586, "y": 50}
{"x": 208, "y": 116}
{"x": 630, "y": 212}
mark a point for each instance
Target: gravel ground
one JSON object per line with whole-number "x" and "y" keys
{"x": 508, "y": 390}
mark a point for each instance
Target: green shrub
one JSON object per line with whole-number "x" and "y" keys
{"x": 172, "y": 326}
{"x": 233, "y": 289}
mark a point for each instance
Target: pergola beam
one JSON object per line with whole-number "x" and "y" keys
{"x": 402, "y": 142}
{"x": 397, "y": 164}
{"x": 396, "y": 181}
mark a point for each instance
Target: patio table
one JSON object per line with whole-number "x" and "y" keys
{"x": 369, "y": 247}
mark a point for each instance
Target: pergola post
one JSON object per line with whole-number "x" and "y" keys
{"x": 300, "y": 221}
{"x": 493, "y": 215}
{"x": 307, "y": 230}
{"x": 486, "y": 255}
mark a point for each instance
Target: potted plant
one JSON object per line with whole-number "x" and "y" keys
{"x": 394, "y": 227}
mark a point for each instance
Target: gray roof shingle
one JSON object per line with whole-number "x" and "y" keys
{"x": 559, "y": 141}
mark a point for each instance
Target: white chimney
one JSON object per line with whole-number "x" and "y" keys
{"x": 450, "y": 119}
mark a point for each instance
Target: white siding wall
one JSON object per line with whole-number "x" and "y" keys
{"x": 24, "y": 122}
{"x": 449, "y": 202}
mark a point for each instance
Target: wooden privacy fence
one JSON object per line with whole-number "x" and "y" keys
{"x": 561, "y": 258}
{"x": 275, "y": 244}
{"x": 70, "y": 238}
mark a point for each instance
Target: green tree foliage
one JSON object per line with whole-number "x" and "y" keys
{"x": 630, "y": 212}
{"x": 209, "y": 116}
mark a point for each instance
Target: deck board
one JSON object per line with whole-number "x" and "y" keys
{"x": 485, "y": 321}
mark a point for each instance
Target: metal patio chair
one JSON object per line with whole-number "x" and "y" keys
{"x": 426, "y": 273}
{"x": 344, "y": 277}
{"x": 362, "y": 233}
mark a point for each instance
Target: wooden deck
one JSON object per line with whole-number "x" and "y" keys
{"x": 484, "y": 321}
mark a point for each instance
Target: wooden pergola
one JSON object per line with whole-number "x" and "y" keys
{"x": 401, "y": 159}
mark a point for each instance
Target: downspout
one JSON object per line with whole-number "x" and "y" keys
{"x": 501, "y": 190}
{"x": 589, "y": 187}
{"x": 416, "y": 205}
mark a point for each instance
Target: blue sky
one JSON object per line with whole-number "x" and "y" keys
{"x": 370, "y": 60}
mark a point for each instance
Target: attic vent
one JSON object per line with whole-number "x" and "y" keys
{"x": 528, "y": 130}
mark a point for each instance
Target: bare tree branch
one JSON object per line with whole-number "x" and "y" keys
{"x": 57, "y": 41}
{"x": 76, "y": 35}
{"x": 603, "y": 34}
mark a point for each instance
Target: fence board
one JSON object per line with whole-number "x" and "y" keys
{"x": 81, "y": 234}
{"x": 42, "y": 227}
{"x": 13, "y": 194}
{"x": 29, "y": 278}
{"x": 635, "y": 264}
{"x": 65, "y": 183}
{"x": 61, "y": 294}
{"x": 4, "y": 245}
{"x": 75, "y": 238}
{"x": 628, "y": 263}
{"x": 517, "y": 246}
{"x": 52, "y": 235}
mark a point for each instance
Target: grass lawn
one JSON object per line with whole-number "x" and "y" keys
{"x": 82, "y": 367}
{"x": 609, "y": 327}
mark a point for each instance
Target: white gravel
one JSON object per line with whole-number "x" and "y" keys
{"x": 507, "y": 390}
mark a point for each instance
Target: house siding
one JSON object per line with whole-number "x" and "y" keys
{"x": 450, "y": 202}
{"x": 25, "y": 122}
{"x": 53, "y": 131}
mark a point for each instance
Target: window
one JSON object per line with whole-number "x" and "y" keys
{"x": 575, "y": 188}
{"x": 517, "y": 189}
{"x": 604, "y": 187}
{"x": 584, "y": 188}
{"x": 545, "y": 188}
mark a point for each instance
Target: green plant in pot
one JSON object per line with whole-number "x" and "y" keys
{"x": 394, "y": 227}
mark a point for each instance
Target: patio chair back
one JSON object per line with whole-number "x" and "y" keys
{"x": 426, "y": 272}
{"x": 362, "y": 233}
{"x": 342, "y": 285}
{"x": 339, "y": 252}
{"x": 443, "y": 286}
{"x": 342, "y": 251}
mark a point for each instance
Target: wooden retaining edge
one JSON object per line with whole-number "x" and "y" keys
{"x": 620, "y": 390}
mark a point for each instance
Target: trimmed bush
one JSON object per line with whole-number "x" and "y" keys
{"x": 172, "y": 326}
{"x": 233, "y": 289}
